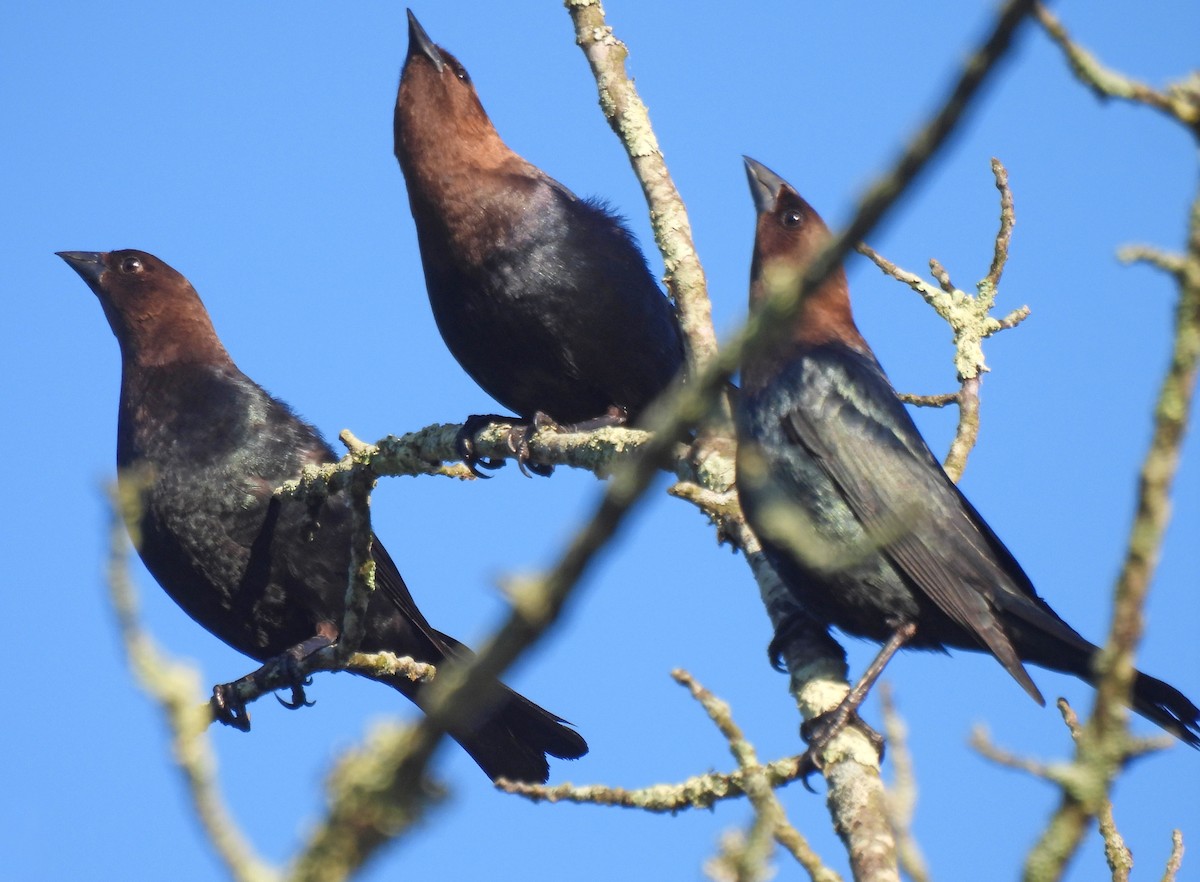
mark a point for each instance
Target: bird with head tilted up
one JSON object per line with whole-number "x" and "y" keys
{"x": 543, "y": 298}
{"x": 203, "y": 447}
{"x": 901, "y": 556}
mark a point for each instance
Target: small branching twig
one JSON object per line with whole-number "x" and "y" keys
{"x": 1078, "y": 787}
{"x": 752, "y": 779}
{"x": 971, "y": 321}
{"x": 770, "y": 819}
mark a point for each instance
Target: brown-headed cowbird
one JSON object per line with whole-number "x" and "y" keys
{"x": 544, "y": 298}
{"x": 907, "y": 559}
{"x": 203, "y": 446}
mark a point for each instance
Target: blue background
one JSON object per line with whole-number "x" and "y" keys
{"x": 249, "y": 145}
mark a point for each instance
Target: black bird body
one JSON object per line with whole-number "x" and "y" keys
{"x": 204, "y": 447}
{"x": 820, "y": 428}
{"x": 543, "y": 298}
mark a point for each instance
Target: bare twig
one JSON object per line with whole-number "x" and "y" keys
{"x": 902, "y": 795}
{"x": 941, "y": 400}
{"x": 1181, "y": 100}
{"x": 971, "y": 321}
{"x": 1175, "y": 861}
{"x": 625, "y": 112}
{"x": 771, "y": 819}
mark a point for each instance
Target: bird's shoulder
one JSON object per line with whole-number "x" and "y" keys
{"x": 196, "y": 415}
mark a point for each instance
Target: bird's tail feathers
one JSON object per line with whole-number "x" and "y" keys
{"x": 513, "y": 736}
{"x": 1155, "y": 700}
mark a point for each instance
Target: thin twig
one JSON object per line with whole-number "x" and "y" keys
{"x": 902, "y": 795}
{"x": 769, "y": 811}
{"x": 970, "y": 320}
{"x": 1175, "y": 861}
{"x": 1181, "y": 101}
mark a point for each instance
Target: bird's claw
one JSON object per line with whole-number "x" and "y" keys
{"x": 822, "y": 729}
{"x": 228, "y": 708}
{"x": 296, "y": 682}
{"x": 518, "y": 442}
{"x": 464, "y": 445}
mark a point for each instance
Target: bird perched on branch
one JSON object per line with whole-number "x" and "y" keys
{"x": 543, "y": 298}
{"x": 855, "y": 512}
{"x": 204, "y": 447}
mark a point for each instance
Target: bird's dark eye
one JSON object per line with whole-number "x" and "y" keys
{"x": 461, "y": 72}
{"x": 131, "y": 265}
{"x": 792, "y": 218}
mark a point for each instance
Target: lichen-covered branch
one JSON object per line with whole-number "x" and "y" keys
{"x": 364, "y": 811}
{"x": 629, "y": 118}
{"x": 752, "y": 779}
{"x": 431, "y": 451}
{"x": 971, "y": 321}
{"x": 770, "y": 819}
{"x": 1175, "y": 861}
{"x": 271, "y": 678}
{"x": 1180, "y": 101}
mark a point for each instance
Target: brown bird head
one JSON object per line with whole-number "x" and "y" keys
{"x": 154, "y": 312}
{"x": 439, "y": 118}
{"x": 789, "y": 234}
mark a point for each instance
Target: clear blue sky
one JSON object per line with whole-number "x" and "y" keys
{"x": 249, "y": 145}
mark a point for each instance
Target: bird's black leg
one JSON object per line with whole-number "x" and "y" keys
{"x": 798, "y": 625}
{"x": 228, "y": 705}
{"x": 821, "y": 729}
{"x": 464, "y": 442}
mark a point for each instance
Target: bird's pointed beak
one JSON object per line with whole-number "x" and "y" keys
{"x": 89, "y": 264}
{"x": 765, "y": 185}
{"x": 420, "y": 44}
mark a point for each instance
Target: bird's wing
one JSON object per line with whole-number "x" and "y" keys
{"x": 849, "y": 419}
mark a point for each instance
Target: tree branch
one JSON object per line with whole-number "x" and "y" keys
{"x": 627, "y": 114}
{"x": 1181, "y": 100}
{"x": 970, "y": 321}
